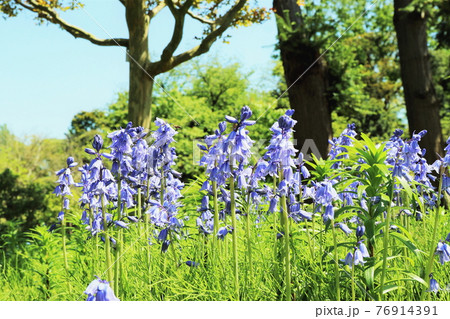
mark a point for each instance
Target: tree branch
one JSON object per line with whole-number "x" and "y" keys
{"x": 51, "y": 16}
{"x": 218, "y": 28}
{"x": 177, "y": 35}
{"x": 198, "y": 18}
{"x": 156, "y": 9}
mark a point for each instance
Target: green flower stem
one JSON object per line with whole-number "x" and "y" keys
{"x": 287, "y": 259}
{"x": 109, "y": 272}
{"x": 139, "y": 210}
{"x": 216, "y": 209}
{"x": 163, "y": 187}
{"x": 275, "y": 242}
{"x": 386, "y": 240}
{"x": 66, "y": 263}
{"x": 147, "y": 245}
{"x": 235, "y": 249}
{"x": 94, "y": 254}
{"x": 336, "y": 263}
{"x": 353, "y": 277}
{"x": 117, "y": 262}
{"x": 432, "y": 247}
{"x": 249, "y": 240}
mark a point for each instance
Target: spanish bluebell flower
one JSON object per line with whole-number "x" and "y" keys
{"x": 165, "y": 246}
{"x": 434, "y": 286}
{"x": 338, "y": 144}
{"x": 121, "y": 143}
{"x": 222, "y": 232}
{"x": 344, "y": 228}
{"x": 328, "y": 214}
{"x": 299, "y": 214}
{"x": 350, "y": 193}
{"x": 443, "y": 250}
{"x": 273, "y": 204}
{"x": 348, "y": 259}
{"x": 281, "y": 150}
{"x": 85, "y": 218}
{"x": 360, "y": 231}
{"x": 280, "y": 235}
{"x": 126, "y": 194}
{"x": 363, "y": 249}
{"x": 99, "y": 290}
{"x": 205, "y": 222}
{"x": 65, "y": 180}
{"x": 358, "y": 257}
{"x": 325, "y": 193}
{"x": 191, "y": 263}
{"x": 121, "y": 223}
{"x": 354, "y": 259}
{"x": 418, "y": 216}
{"x": 133, "y": 219}
{"x": 447, "y": 238}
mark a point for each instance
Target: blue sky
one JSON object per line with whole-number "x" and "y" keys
{"x": 47, "y": 76}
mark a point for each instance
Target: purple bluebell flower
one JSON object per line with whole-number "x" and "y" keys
{"x": 338, "y": 144}
{"x": 348, "y": 259}
{"x": 97, "y": 144}
{"x": 358, "y": 257}
{"x": 443, "y": 250}
{"x": 434, "y": 285}
{"x": 329, "y": 213}
{"x": 360, "y": 231}
{"x": 344, "y": 228}
{"x": 325, "y": 193}
{"x": 165, "y": 246}
{"x": 65, "y": 180}
{"x": 222, "y": 232}
{"x": 191, "y": 263}
{"x": 298, "y": 214}
{"x": 354, "y": 259}
{"x": 133, "y": 219}
{"x": 121, "y": 223}
{"x": 99, "y": 290}
{"x": 363, "y": 249}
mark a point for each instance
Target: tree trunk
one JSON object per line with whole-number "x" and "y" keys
{"x": 422, "y": 105}
{"x": 307, "y": 96}
{"x": 141, "y": 84}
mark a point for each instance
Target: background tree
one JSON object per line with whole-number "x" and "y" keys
{"x": 440, "y": 59}
{"x": 422, "y": 103}
{"x": 362, "y": 73}
{"x": 27, "y": 179}
{"x": 307, "y": 95}
{"x": 215, "y": 17}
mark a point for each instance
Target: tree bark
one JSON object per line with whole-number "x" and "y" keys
{"x": 422, "y": 105}
{"x": 307, "y": 96}
{"x": 141, "y": 82}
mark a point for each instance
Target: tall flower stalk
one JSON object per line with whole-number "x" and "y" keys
{"x": 65, "y": 180}
{"x": 280, "y": 162}
{"x": 237, "y": 146}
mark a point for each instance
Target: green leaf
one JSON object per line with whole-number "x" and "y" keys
{"x": 405, "y": 185}
{"x": 407, "y": 242}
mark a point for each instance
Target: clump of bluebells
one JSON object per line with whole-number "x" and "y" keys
{"x": 133, "y": 182}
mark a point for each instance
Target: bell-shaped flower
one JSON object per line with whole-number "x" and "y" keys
{"x": 99, "y": 290}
